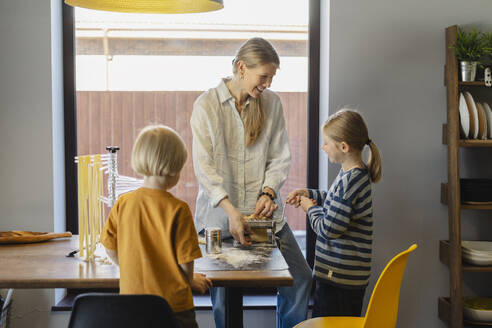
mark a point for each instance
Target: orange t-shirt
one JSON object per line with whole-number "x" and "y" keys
{"x": 153, "y": 232}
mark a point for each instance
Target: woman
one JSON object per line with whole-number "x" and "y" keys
{"x": 241, "y": 159}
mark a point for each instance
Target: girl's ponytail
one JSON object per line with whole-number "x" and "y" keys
{"x": 374, "y": 163}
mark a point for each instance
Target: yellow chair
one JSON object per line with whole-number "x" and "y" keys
{"x": 382, "y": 310}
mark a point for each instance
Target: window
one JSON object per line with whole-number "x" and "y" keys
{"x": 133, "y": 70}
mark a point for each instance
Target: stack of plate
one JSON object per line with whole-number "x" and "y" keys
{"x": 475, "y": 118}
{"x": 477, "y": 252}
{"x": 478, "y": 309}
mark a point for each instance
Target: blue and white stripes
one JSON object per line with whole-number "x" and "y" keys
{"x": 343, "y": 223}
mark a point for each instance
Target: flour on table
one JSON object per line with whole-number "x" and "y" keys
{"x": 239, "y": 257}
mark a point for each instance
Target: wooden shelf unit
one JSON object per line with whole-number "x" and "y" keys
{"x": 450, "y": 308}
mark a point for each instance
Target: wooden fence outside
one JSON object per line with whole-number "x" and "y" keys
{"x": 115, "y": 117}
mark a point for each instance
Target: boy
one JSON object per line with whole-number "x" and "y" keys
{"x": 150, "y": 234}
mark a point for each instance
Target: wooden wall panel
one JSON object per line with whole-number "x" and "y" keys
{"x": 127, "y": 134}
{"x": 83, "y": 123}
{"x": 115, "y": 118}
{"x": 95, "y": 118}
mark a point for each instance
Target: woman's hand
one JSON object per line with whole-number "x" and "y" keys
{"x": 237, "y": 224}
{"x": 306, "y": 203}
{"x": 200, "y": 283}
{"x": 265, "y": 206}
{"x": 294, "y": 197}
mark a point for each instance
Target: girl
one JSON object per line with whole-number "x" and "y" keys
{"x": 342, "y": 217}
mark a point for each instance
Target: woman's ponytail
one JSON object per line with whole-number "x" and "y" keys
{"x": 255, "y": 52}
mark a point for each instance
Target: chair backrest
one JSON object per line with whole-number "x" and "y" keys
{"x": 382, "y": 310}
{"x": 105, "y": 310}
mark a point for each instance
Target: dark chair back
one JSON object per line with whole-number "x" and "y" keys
{"x": 104, "y": 310}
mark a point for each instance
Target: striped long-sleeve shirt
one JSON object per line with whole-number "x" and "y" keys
{"x": 343, "y": 223}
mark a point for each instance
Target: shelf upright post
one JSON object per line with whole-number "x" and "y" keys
{"x": 454, "y": 215}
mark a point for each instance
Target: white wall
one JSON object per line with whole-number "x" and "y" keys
{"x": 26, "y": 170}
{"x": 388, "y": 58}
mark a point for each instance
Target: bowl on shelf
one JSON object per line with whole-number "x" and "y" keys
{"x": 477, "y": 309}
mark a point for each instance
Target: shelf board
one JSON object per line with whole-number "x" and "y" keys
{"x": 472, "y": 84}
{"x": 444, "y": 200}
{"x": 466, "y": 143}
{"x": 444, "y": 258}
{"x": 444, "y": 312}
{"x": 486, "y": 207}
{"x": 475, "y": 143}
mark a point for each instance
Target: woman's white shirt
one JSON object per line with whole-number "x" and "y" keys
{"x": 225, "y": 167}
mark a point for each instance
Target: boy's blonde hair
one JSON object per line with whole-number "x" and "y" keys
{"x": 158, "y": 151}
{"x": 349, "y": 126}
{"x": 255, "y": 52}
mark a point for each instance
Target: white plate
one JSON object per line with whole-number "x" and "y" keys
{"x": 477, "y": 245}
{"x": 464, "y": 117}
{"x": 478, "y": 256}
{"x": 488, "y": 114}
{"x": 478, "y": 260}
{"x": 472, "y": 109}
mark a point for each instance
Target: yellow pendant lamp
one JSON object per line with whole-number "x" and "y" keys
{"x": 150, "y": 6}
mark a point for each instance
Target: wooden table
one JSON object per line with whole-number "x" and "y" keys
{"x": 45, "y": 265}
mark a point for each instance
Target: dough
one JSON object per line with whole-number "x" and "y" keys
{"x": 259, "y": 235}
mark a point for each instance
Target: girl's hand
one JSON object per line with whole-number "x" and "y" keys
{"x": 294, "y": 198}
{"x": 265, "y": 206}
{"x": 307, "y": 203}
{"x": 200, "y": 283}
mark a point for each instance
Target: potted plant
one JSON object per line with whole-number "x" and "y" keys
{"x": 470, "y": 48}
{"x": 487, "y": 39}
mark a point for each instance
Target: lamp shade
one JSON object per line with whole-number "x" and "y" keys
{"x": 150, "y": 6}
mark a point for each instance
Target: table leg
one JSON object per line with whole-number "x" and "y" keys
{"x": 233, "y": 307}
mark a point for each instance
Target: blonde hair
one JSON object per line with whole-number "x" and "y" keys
{"x": 348, "y": 125}
{"x": 255, "y": 52}
{"x": 158, "y": 151}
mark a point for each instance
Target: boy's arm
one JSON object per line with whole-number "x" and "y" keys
{"x": 198, "y": 281}
{"x": 187, "y": 269}
{"x": 187, "y": 249}
{"x": 113, "y": 255}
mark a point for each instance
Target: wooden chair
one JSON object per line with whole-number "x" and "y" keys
{"x": 382, "y": 310}
{"x": 105, "y": 310}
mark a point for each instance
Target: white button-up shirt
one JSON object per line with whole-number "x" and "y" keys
{"x": 226, "y": 167}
